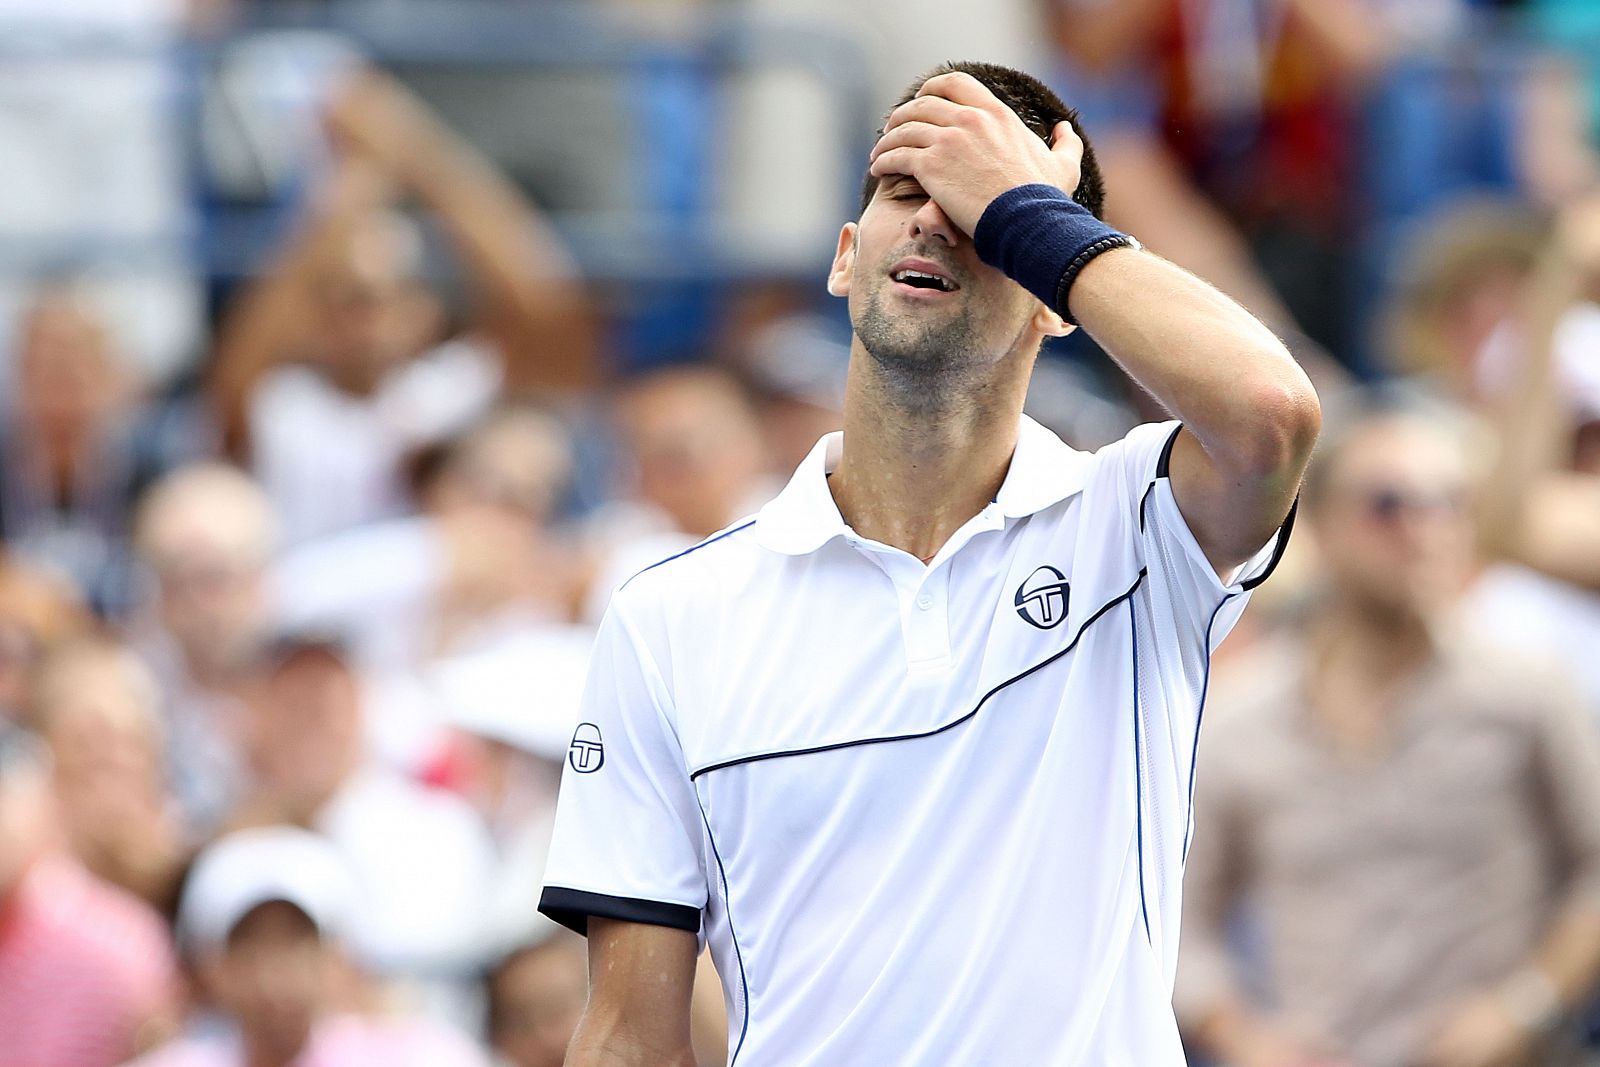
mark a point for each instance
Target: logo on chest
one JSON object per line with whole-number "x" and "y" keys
{"x": 1042, "y": 599}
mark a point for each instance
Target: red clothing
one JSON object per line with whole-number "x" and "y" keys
{"x": 83, "y": 965}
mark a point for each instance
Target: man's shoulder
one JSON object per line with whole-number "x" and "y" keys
{"x": 704, "y": 571}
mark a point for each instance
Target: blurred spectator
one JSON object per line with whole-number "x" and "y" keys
{"x": 97, "y": 708}
{"x": 76, "y": 450}
{"x": 514, "y": 708}
{"x": 481, "y": 558}
{"x": 264, "y": 917}
{"x": 1504, "y": 312}
{"x": 421, "y": 858}
{"x": 93, "y": 174}
{"x": 1409, "y": 817}
{"x": 535, "y": 996}
{"x": 796, "y": 365}
{"x": 205, "y": 534}
{"x": 37, "y": 610}
{"x": 87, "y": 976}
{"x": 1545, "y": 496}
{"x": 1461, "y": 279}
{"x": 480, "y": 572}
{"x": 695, "y": 462}
{"x": 332, "y": 369}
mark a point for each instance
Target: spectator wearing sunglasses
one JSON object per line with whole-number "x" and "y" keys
{"x": 1406, "y": 818}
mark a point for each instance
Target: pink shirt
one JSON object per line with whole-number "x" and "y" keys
{"x": 343, "y": 1041}
{"x": 83, "y": 965}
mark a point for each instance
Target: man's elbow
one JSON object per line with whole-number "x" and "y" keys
{"x": 1282, "y": 419}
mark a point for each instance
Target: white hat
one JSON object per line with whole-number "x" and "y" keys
{"x": 522, "y": 690}
{"x": 243, "y": 870}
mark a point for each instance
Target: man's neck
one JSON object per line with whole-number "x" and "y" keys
{"x": 1363, "y": 657}
{"x": 910, "y": 477}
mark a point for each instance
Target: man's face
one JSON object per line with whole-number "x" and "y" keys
{"x": 964, "y": 318}
{"x": 1393, "y": 520}
{"x": 212, "y": 601}
{"x": 274, "y": 977}
{"x": 307, "y": 737}
{"x": 372, "y": 315}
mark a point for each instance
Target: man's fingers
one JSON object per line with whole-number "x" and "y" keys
{"x": 934, "y": 109}
{"x": 906, "y": 135}
{"x": 962, "y": 88}
{"x": 1065, "y": 139}
{"x": 896, "y": 161}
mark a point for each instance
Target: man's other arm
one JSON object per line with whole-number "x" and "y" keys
{"x": 641, "y": 979}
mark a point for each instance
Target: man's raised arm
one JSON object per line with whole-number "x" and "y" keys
{"x": 1249, "y": 412}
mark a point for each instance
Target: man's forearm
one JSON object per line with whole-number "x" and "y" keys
{"x": 529, "y": 287}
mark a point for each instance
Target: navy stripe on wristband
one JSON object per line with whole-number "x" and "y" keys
{"x": 1041, "y": 238}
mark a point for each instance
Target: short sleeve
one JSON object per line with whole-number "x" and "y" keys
{"x": 1175, "y": 564}
{"x": 628, "y": 841}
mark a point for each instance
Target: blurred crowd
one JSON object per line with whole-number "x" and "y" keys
{"x": 305, "y": 523}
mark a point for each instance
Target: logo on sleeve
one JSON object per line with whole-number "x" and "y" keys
{"x": 1042, "y": 599}
{"x": 586, "y": 754}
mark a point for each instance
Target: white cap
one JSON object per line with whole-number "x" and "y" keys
{"x": 243, "y": 870}
{"x": 522, "y": 690}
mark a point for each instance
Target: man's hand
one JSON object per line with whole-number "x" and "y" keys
{"x": 377, "y": 119}
{"x": 965, "y": 148}
{"x": 1479, "y": 1033}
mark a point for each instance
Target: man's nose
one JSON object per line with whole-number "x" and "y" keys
{"x": 931, "y": 221}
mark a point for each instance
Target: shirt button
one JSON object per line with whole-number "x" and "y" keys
{"x": 924, "y": 602}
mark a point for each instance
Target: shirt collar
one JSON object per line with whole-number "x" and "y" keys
{"x": 803, "y": 517}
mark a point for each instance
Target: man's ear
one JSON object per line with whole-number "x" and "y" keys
{"x": 1049, "y": 324}
{"x": 844, "y": 261}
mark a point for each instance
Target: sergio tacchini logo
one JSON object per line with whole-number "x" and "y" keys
{"x": 586, "y": 754}
{"x": 1042, "y": 599}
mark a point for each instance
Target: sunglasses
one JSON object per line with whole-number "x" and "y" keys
{"x": 1389, "y": 504}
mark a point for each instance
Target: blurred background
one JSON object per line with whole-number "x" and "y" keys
{"x": 355, "y": 350}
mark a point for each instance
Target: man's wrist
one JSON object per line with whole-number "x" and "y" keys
{"x": 1042, "y": 238}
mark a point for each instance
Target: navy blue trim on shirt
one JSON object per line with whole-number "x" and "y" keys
{"x": 1138, "y": 763}
{"x": 1277, "y": 549}
{"x": 738, "y": 954}
{"x": 713, "y": 539}
{"x": 1200, "y": 715}
{"x": 1090, "y": 621}
{"x": 1164, "y": 470}
{"x": 1164, "y": 461}
{"x": 573, "y": 907}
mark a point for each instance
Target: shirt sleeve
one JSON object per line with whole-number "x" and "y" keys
{"x": 629, "y": 840}
{"x": 1174, "y": 560}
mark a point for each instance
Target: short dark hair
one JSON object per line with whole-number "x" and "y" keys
{"x": 1040, "y": 110}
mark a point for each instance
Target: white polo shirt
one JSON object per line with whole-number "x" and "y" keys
{"x": 926, "y": 816}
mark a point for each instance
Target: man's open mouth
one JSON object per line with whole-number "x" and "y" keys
{"x": 924, "y": 279}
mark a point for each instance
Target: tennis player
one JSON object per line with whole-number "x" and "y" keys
{"x": 912, "y": 748}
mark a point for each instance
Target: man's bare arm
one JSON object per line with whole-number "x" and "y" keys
{"x": 1534, "y": 512}
{"x": 641, "y": 980}
{"x": 527, "y": 293}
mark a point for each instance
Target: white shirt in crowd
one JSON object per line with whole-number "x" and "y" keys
{"x": 331, "y": 460}
{"x": 424, "y": 864}
{"x": 923, "y": 815}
